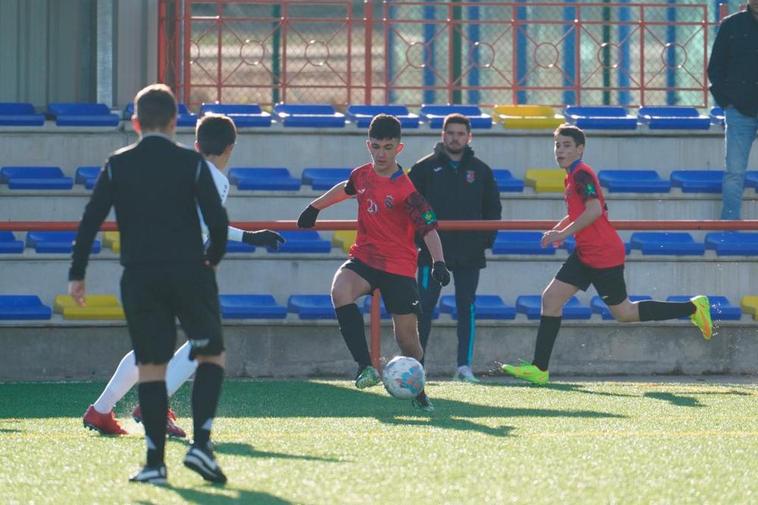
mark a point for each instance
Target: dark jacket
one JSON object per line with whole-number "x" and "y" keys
{"x": 468, "y": 192}
{"x": 733, "y": 67}
{"x": 155, "y": 187}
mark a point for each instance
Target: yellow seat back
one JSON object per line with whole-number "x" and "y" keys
{"x": 545, "y": 180}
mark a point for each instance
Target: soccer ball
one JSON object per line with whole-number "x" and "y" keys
{"x": 403, "y": 377}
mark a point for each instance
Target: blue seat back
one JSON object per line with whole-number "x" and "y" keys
{"x": 668, "y": 111}
{"x": 14, "y": 301}
{"x": 7, "y": 236}
{"x": 16, "y": 108}
{"x": 635, "y": 175}
{"x": 595, "y": 111}
{"x": 314, "y": 108}
{"x": 258, "y": 172}
{"x": 444, "y": 110}
{"x": 50, "y": 236}
{"x": 31, "y": 172}
{"x": 669, "y": 237}
{"x": 231, "y": 108}
{"x": 373, "y": 110}
{"x": 78, "y": 109}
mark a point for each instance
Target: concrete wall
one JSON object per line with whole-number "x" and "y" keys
{"x": 294, "y": 349}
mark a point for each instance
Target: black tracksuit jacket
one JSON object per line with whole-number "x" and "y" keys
{"x": 468, "y": 192}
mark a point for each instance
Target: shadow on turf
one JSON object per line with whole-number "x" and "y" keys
{"x": 563, "y": 387}
{"x": 674, "y": 399}
{"x": 195, "y": 495}
{"x": 247, "y": 450}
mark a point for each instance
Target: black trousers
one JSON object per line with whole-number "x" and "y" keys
{"x": 466, "y": 281}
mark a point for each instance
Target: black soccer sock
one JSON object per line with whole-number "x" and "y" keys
{"x": 660, "y": 311}
{"x": 153, "y": 401}
{"x": 205, "y": 394}
{"x": 546, "y": 335}
{"x": 351, "y": 326}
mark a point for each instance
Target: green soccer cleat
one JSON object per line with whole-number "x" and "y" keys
{"x": 422, "y": 402}
{"x": 367, "y": 377}
{"x": 702, "y": 316}
{"x": 527, "y": 372}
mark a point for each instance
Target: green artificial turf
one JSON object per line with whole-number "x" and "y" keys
{"x": 324, "y": 442}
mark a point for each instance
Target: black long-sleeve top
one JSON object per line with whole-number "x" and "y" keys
{"x": 733, "y": 66}
{"x": 155, "y": 187}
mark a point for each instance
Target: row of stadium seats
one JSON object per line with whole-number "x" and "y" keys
{"x": 319, "y": 306}
{"x": 326, "y": 116}
{"x": 310, "y": 307}
{"x": 281, "y": 179}
{"x": 729, "y": 243}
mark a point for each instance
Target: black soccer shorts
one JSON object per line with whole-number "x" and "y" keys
{"x": 609, "y": 282}
{"x": 400, "y": 293}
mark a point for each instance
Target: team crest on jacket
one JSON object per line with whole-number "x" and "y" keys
{"x": 389, "y": 201}
{"x": 470, "y": 176}
{"x": 372, "y": 207}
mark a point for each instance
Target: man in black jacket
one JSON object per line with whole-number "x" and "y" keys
{"x": 733, "y": 71}
{"x": 156, "y": 187}
{"x": 459, "y": 186}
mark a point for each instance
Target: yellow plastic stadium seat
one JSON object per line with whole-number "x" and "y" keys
{"x": 749, "y": 305}
{"x": 98, "y": 307}
{"x": 112, "y": 239}
{"x": 344, "y": 239}
{"x": 527, "y": 116}
{"x": 545, "y": 180}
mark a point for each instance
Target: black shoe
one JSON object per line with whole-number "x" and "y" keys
{"x": 150, "y": 475}
{"x": 422, "y": 402}
{"x": 201, "y": 460}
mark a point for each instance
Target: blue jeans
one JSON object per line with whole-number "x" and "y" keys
{"x": 740, "y": 134}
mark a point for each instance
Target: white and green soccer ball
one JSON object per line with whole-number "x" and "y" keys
{"x": 403, "y": 377}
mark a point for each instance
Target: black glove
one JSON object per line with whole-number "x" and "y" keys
{"x": 266, "y": 238}
{"x": 440, "y": 273}
{"x": 308, "y": 217}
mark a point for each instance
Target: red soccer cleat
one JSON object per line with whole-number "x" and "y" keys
{"x": 172, "y": 430}
{"x": 106, "y": 424}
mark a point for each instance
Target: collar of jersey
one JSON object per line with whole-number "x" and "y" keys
{"x": 573, "y": 165}
{"x": 157, "y": 134}
{"x": 397, "y": 174}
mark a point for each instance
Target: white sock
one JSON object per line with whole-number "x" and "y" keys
{"x": 180, "y": 369}
{"x": 122, "y": 381}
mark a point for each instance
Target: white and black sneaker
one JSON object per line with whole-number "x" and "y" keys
{"x": 150, "y": 475}
{"x": 201, "y": 460}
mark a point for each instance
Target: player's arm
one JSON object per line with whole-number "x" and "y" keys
{"x": 425, "y": 221}
{"x": 213, "y": 213}
{"x": 592, "y": 211}
{"x": 94, "y": 214}
{"x": 339, "y": 192}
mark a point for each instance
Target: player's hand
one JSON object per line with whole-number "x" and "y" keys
{"x": 77, "y": 291}
{"x": 440, "y": 273}
{"x": 308, "y": 217}
{"x": 265, "y": 238}
{"x": 553, "y": 237}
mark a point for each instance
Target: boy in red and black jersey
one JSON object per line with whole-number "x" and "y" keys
{"x": 598, "y": 260}
{"x": 391, "y": 214}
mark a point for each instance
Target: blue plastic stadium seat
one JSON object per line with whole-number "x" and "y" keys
{"x": 506, "y": 182}
{"x": 87, "y": 176}
{"x": 309, "y": 115}
{"x": 19, "y": 114}
{"x": 362, "y": 115}
{"x": 434, "y": 115}
{"x": 325, "y": 178}
{"x": 184, "y": 117}
{"x": 520, "y": 242}
{"x": 243, "y": 115}
{"x": 598, "y": 306}
{"x": 721, "y": 308}
{"x": 9, "y": 244}
{"x": 235, "y": 246}
{"x": 304, "y": 241}
{"x": 673, "y": 117}
{"x": 633, "y": 181}
{"x": 697, "y": 181}
{"x": 82, "y": 114}
{"x": 485, "y": 307}
{"x": 531, "y": 306}
{"x": 23, "y": 307}
{"x": 717, "y": 116}
{"x": 55, "y": 241}
{"x": 751, "y": 179}
{"x": 251, "y": 307}
{"x": 732, "y": 243}
{"x": 678, "y": 243}
{"x": 263, "y": 178}
{"x": 311, "y": 306}
{"x": 600, "y": 117}
{"x": 35, "y": 178}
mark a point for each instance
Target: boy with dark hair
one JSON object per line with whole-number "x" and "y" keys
{"x": 391, "y": 214}
{"x": 598, "y": 260}
{"x": 215, "y": 138}
{"x": 167, "y": 271}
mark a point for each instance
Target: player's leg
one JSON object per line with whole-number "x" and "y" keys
{"x": 429, "y": 290}
{"x": 466, "y": 282}
{"x": 350, "y": 282}
{"x": 200, "y": 316}
{"x": 738, "y": 141}
{"x": 99, "y": 416}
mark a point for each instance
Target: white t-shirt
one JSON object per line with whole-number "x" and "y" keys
{"x": 222, "y": 186}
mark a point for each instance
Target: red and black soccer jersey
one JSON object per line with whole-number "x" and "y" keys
{"x": 598, "y": 245}
{"x": 390, "y": 214}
